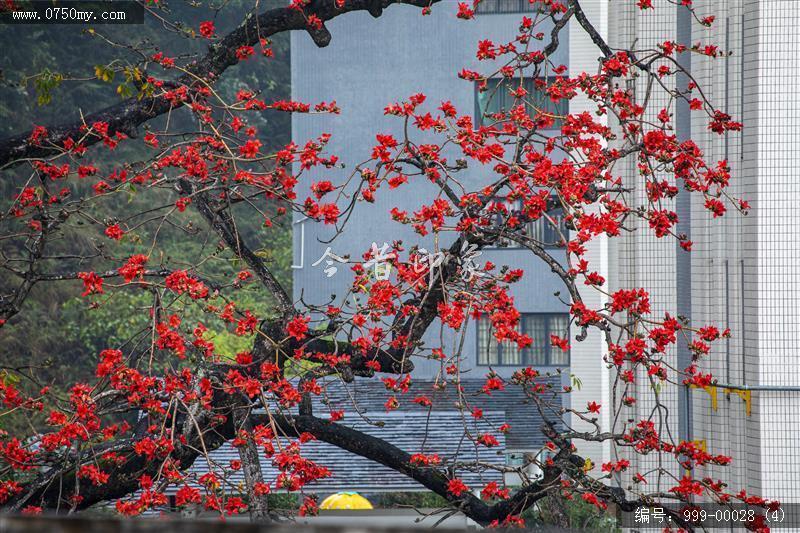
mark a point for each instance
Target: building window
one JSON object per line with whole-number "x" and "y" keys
{"x": 542, "y": 230}
{"x": 539, "y": 326}
{"x": 515, "y": 460}
{"x": 497, "y": 98}
{"x": 535, "y": 469}
{"x": 494, "y": 7}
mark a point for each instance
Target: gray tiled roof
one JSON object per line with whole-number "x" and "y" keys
{"x": 406, "y": 430}
{"x": 444, "y": 430}
{"x": 369, "y": 396}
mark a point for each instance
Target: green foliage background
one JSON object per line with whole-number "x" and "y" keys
{"x": 54, "y": 74}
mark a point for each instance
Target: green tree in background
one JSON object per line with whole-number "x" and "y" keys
{"x": 62, "y": 72}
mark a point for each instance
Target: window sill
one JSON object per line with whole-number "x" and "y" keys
{"x": 480, "y": 365}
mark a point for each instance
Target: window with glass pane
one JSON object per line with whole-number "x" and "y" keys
{"x": 497, "y": 220}
{"x": 541, "y": 230}
{"x": 539, "y": 326}
{"x": 515, "y": 459}
{"x": 497, "y": 97}
{"x": 492, "y": 352}
{"x": 487, "y": 345}
{"x": 487, "y": 7}
{"x": 536, "y": 327}
{"x": 544, "y": 232}
{"x": 558, "y": 325}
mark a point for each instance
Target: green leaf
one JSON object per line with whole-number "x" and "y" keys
{"x": 104, "y": 73}
{"x": 124, "y": 90}
{"x": 44, "y": 83}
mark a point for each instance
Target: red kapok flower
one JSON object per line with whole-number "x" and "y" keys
{"x": 456, "y": 487}
{"x": 207, "y": 29}
{"x": 114, "y": 232}
{"x": 92, "y": 283}
{"x": 133, "y": 268}
{"x": 298, "y": 327}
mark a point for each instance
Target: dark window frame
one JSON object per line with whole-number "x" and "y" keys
{"x": 549, "y": 244}
{"x": 526, "y": 354}
{"x": 479, "y": 113}
{"x": 506, "y": 7}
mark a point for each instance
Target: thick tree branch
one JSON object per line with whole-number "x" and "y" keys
{"x": 573, "y": 466}
{"x": 383, "y": 452}
{"x": 126, "y": 116}
{"x": 594, "y": 35}
{"x": 253, "y": 474}
{"x": 390, "y": 361}
{"x": 53, "y": 488}
{"x": 222, "y": 222}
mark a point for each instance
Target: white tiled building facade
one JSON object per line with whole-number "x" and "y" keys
{"x": 744, "y": 272}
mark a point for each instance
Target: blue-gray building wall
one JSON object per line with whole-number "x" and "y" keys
{"x": 369, "y": 64}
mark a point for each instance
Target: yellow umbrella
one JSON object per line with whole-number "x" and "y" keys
{"x": 345, "y": 500}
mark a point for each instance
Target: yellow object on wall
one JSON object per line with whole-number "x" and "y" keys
{"x": 746, "y": 396}
{"x": 345, "y": 500}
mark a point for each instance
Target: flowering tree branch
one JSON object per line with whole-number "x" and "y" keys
{"x": 125, "y": 117}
